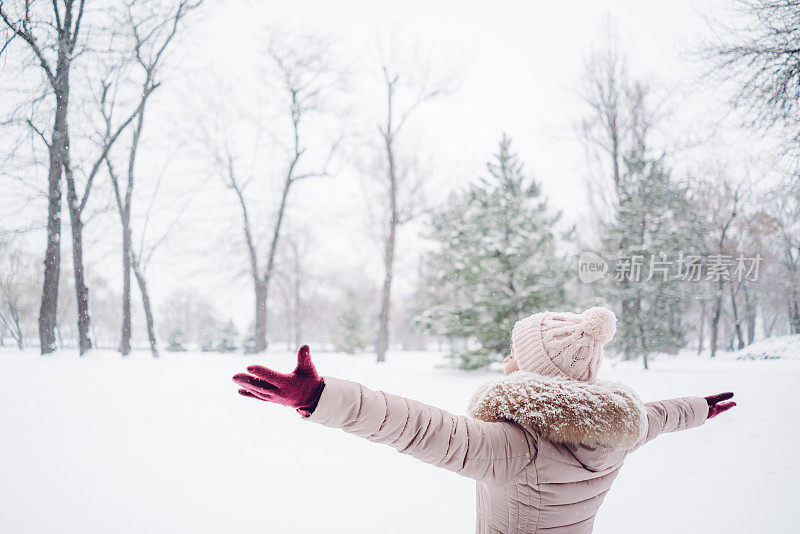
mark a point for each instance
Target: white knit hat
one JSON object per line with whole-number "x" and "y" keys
{"x": 564, "y": 344}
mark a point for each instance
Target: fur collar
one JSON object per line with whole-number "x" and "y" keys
{"x": 562, "y": 410}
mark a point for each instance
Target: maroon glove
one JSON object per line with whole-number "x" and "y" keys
{"x": 301, "y": 389}
{"x": 715, "y": 407}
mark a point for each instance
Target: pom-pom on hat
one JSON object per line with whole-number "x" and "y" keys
{"x": 564, "y": 344}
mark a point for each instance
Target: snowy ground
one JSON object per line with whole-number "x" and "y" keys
{"x": 103, "y": 445}
{"x": 783, "y": 347}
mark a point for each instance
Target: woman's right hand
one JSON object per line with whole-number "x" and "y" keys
{"x": 716, "y": 407}
{"x": 300, "y": 389}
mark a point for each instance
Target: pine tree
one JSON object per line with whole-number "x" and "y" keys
{"x": 249, "y": 343}
{"x": 176, "y": 341}
{"x": 349, "y": 335}
{"x": 210, "y": 336}
{"x": 652, "y": 229}
{"x": 228, "y": 338}
{"x": 495, "y": 262}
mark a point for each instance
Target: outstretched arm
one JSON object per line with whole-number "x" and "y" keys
{"x": 491, "y": 452}
{"x": 683, "y": 413}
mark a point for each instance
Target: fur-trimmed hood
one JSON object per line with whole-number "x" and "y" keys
{"x": 565, "y": 411}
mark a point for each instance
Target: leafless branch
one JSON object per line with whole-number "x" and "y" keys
{"x": 761, "y": 58}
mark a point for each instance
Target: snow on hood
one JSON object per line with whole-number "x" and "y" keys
{"x": 562, "y": 410}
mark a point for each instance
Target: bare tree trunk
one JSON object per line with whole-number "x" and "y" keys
{"x": 289, "y": 323}
{"x": 729, "y": 335}
{"x": 792, "y": 255}
{"x": 715, "y": 322}
{"x": 642, "y": 334}
{"x": 124, "y": 206}
{"x": 60, "y": 337}
{"x": 701, "y": 334}
{"x": 794, "y": 314}
{"x": 737, "y": 322}
{"x": 20, "y": 338}
{"x": 261, "y": 281}
{"x": 768, "y": 325}
{"x": 52, "y": 259}
{"x": 751, "y": 309}
{"x": 296, "y": 315}
{"x": 382, "y": 343}
{"x": 81, "y": 291}
{"x": 148, "y": 310}
{"x": 125, "y": 334}
{"x": 261, "y": 315}
{"x": 273, "y": 249}
{"x": 130, "y": 262}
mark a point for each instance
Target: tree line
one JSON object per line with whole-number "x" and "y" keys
{"x": 85, "y": 82}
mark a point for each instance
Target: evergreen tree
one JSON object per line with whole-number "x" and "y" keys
{"x": 176, "y": 341}
{"x": 495, "y": 262}
{"x": 349, "y": 335}
{"x": 210, "y": 337}
{"x": 249, "y": 343}
{"x": 228, "y": 338}
{"x": 652, "y": 230}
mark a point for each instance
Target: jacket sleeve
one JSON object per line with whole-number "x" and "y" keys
{"x": 490, "y": 452}
{"x": 673, "y": 415}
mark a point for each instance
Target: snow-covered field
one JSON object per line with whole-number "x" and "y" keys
{"x": 104, "y": 445}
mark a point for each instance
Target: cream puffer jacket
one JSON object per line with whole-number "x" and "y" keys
{"x": 544, "y": 451}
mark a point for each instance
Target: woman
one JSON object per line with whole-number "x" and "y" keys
{"x": 545, "y": 442}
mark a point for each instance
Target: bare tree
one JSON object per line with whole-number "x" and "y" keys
{"x": 725, "y": 199}
{"x": 305, "y": 78}
{"x": 604, "y": 85}
{"x": 76, "y": 203}
{"x": 784, "y": 205}
{"x": 291, "y": 277}
{"x": 149, "y": 30}
{"x": 619, "y": 118}
{"x": 761, "y": 57}
{"x": 57, "y": 27}
{"x": 407, "y": 85}
{"x": 17, "y": 285}
{"x": 51, "y": 33}
{"x": 754, "y": 231}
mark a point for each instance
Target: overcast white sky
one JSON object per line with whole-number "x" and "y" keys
{"x": 519, "y": 61}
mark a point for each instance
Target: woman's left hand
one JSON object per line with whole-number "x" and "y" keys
{"x": 300, "y": 389}
{"x": 716, "y": 407}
